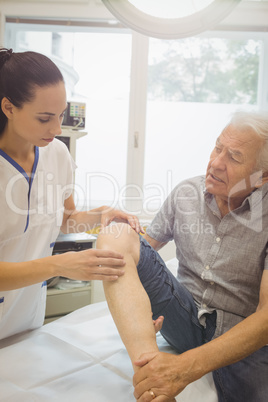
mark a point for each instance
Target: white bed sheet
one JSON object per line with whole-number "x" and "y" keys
{"x": 78, "y": 357}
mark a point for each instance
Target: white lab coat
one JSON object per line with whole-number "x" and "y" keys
{"x": 31, "y": 211}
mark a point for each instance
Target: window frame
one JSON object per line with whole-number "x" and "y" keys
{"x": 138, "y": 88}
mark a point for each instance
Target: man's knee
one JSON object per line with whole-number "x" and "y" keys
{"x": 120, "y": 237}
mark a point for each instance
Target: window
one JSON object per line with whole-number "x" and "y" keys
{"x": 154, "y": 106}
{"x": 194, "y": 85}
{"x": 96, "y": 68}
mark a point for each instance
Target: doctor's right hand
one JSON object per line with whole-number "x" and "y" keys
{"x": 92, "y": 264}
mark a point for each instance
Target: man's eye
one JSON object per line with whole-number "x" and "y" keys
{"x": 234, "y": 159}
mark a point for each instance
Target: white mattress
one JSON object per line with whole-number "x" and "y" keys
{"x": 78, "y": 357}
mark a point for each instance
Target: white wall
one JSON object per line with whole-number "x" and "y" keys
{"x": 246, "y": 14}
{"x": 91, "y": 9}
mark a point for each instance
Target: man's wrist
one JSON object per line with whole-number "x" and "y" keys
{"x": 194, "y": 363}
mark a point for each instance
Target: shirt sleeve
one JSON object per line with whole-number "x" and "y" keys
{"x": 68, "y": 167}
{"x": 70, "y": 178}
{"x": 162, "y": 226}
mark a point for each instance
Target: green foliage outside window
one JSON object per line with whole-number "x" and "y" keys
{"x": 205, "y": 70}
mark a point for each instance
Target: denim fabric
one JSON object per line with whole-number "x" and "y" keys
{"x": 181, "y": 327}
{"x": 221, "y": 259}
{"x": 245, "y": 381}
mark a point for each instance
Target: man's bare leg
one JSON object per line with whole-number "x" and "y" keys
{"x": 127, "y": 300}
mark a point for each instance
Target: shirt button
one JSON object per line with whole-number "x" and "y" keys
{"x": 218, "y": 239}
{"x": 207, "y": 267}
{"x": 212, "y": 283}
{"x": 204, "y": 305}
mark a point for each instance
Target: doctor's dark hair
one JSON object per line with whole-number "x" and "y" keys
{"x": 20, "y": 74}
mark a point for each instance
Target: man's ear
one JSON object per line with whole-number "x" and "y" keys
{"x": 7, "y": 108}
{"x": 262, "y": 180}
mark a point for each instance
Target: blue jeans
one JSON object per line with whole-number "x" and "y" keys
{"x": 245, "y": 381}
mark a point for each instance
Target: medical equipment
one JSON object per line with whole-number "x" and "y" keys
{"x": 75, "y": 116}
{"x": 73, "y": 121}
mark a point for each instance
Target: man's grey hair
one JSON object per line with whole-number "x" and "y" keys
{"x": 258, "y": 123}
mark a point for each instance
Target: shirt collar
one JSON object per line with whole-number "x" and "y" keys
{"x": 250, "y": 202}
{"x": 257, "y": 196}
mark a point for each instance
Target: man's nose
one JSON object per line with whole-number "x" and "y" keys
{"x": 219, "y": 161}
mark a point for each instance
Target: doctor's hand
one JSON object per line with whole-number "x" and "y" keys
{"x": 109, "y": 215}
{"x": 163, "y": 373}
{"x": 92, "y": 264}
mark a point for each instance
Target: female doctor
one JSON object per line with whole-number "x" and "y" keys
{"x": 36, "y": 200}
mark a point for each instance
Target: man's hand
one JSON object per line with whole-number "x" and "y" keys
{"x": 158, "y": 323}
{"x": 163, "y": 373}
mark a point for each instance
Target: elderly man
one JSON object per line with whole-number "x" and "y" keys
{"x": 216, "y": 310}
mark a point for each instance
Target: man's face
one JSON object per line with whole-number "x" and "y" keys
{"x": 231, "y": 173}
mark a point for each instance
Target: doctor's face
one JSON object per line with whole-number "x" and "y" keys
{"x": 231, "y": 172}
{"x": 39, "y": 121}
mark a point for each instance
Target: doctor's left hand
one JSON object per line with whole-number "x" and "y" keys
{"x": 109, "y": 215}
{"x": 90, "y": 264}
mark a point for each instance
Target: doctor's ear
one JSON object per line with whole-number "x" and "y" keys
{"x": 7, "y": 107}
{"x": 262, "y": 180}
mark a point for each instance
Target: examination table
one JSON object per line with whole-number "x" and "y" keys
{"x": 79, "y": 357}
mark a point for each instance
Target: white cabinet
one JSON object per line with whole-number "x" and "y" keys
{"x": 62, "y": 302}
{"x": 65, "y": 300}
